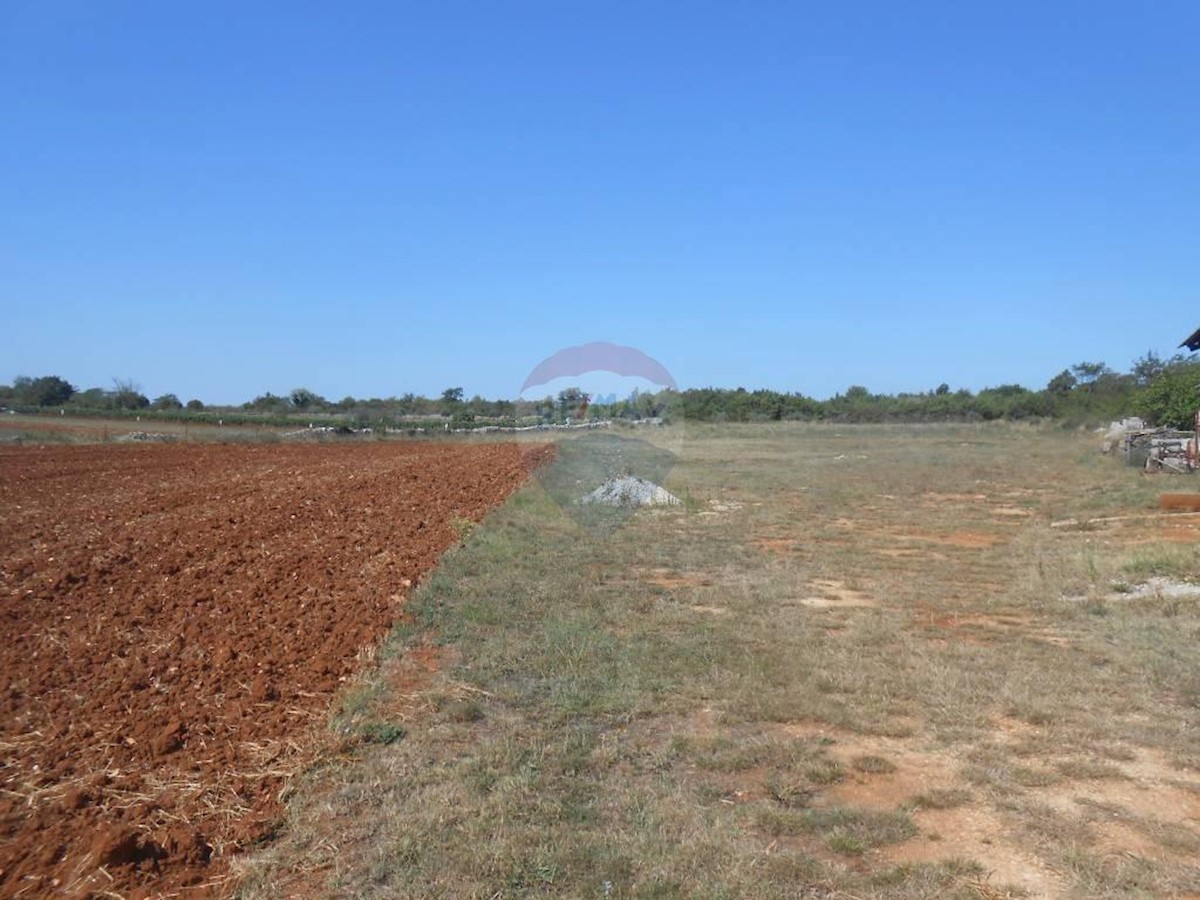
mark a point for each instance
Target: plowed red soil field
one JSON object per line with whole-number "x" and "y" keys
{"x": 176, "y": 620}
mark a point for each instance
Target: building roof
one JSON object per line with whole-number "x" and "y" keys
{"x": 1192, "y": 343}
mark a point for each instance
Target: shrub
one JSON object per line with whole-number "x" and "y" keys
{"x": 1173, "y": 396}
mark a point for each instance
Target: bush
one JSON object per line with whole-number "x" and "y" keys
{"x": 1173, "y": 396}
{"x": 130, "y": 400}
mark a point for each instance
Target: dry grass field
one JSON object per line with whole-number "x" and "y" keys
{"x": 858, "y": 662}
{"x": 49, "y": 429}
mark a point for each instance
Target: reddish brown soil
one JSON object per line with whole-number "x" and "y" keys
{"x": 177, "y": 619}
{"x": 1179, "y": 501}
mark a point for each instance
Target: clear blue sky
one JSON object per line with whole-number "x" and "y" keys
{"x": 219, "y": 199}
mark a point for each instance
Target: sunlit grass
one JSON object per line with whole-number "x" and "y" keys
{"x": 672, "y": 703}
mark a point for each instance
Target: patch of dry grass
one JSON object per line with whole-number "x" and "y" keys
{"x": 600, "y": 731}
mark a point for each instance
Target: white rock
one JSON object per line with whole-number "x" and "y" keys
{"x": 630, "y": 490}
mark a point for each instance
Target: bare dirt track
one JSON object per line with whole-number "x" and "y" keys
{"x": 177, "y": 618}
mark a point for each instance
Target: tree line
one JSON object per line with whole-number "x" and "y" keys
{"x": 1163, "y": 391}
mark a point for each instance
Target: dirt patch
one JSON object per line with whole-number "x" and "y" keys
{"x": 910, "y": 553}
{"x": 179, "y": 618}
{"x": 981, "y": 627}
{"x": 911, "y": 772}
{"x": 1180, "y": 532}
{"x": 979, "y": 834}
{"x": 1011, "y": 512}
{"x": 830, "y": 594}
{"x": 1176, "y": 528}
{"x": 970, "y": 540}
{"x": 669, "y": 579}
{"x": 933, "y": 498}
{"x": 1000, "y": 621}
{"x": 717, "y": 507}
{"x": 1154, "y": 765}
{"x": 882, "y": 771}
{"x": 774, "y": 545}
{"x": 1179, "y": 501}
{"x": 1117, "y": 838}
{"x": 1148, "y": 791}
{"x": 410, "y": 679}
{"x": 814, "y": 729}
{"x": 1150, "y": 818}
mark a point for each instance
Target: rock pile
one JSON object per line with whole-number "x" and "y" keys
{"x": 630, "y": 490}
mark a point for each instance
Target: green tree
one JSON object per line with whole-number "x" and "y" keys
{"x": 1088, "y": 373}
{"x": 572, "y": 403}
{"x": 407, "y": 404}
{"x": 1173, "y": 397}
{"x": 167, "y": 401}
{"x": 1062, "y": 384}
{"x": 128, "y": 394}
{"x": 452, "y": 399}
{"x": 267, "y": 402}
{"x": 1147, "y": 368}
{"x": 49, "y": 390}
{"x": 93, "y": 398}
{"x": 303, "y": 398}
